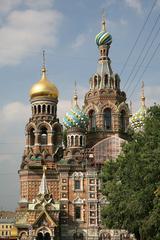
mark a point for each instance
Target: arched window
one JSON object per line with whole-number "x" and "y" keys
{"x": 72, "y": 141}
{"x": 81, "y": 141}
{"x": 48, "y": 109}
{"x": 95, "y": 82}
{"x": 43, "y": 136}
{"x": 39, "y": 108}
{"x": 43, "y": 108}
{"x": 32, "y": 137}
{"x": 76, "y": 141}
{"x": 35, "y": 110}
{"x": 92, "y": 119}
{"x": 39, "y": 236}
{"x": 47, "y": 236}
{"x": 107, "y": 119}
{"x": 106, "y": 80}
{"x": 123, "y": 120}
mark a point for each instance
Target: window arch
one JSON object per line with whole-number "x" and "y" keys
{"x": 39, "y": 108}
{"x": 72, "y": 141}
{"x": 107, "y": 114}
{"x": 95, "y": 82}
{"x": 48, "y": 109}
{"x": 43, "y": 136}
{"x": 76, "y": 141}
{"x": 43, "y": 108}
{"x": 81, "y": 141}
{"x": 123, "y": 120}
{"x": 106, "y": 80}
{"x": 32, "y": 137}
{"x": 92, "y": 119}
{"x": 35, "y": 110}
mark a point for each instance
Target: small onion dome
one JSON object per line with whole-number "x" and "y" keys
{"x": 137, "y": 120}
{"x": 43, "y": 87}
{"x": 75, "y": 117}
{"x": 103, "y": 38}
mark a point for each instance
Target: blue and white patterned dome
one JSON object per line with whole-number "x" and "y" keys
{"x": 75, "y": 117}
{"x": 104, "y": 37}
{"x": 137, "y": 120}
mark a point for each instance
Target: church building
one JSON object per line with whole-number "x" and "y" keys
{"x": 60, "y": 188}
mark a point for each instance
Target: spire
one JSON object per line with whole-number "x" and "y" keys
{"x": 142, "y": 95}
{"x": 75, "y": 97}
{"x": 44, "y": 70}
{"x": 43, "y": 189}
{"x": 103, "y": 23}
{"x": 131, "y": 108}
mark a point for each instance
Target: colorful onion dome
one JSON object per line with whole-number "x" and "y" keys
{"x": 104, "y": 37}
{"x": 75, "y": 117}
{"x": 137, "y": 120}
{"x": 44, "y": 87}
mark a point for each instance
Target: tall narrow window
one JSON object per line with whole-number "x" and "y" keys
{"x": 122, "y": 120}
{"x": 77, "y": 212}
{"x": 72, "y": 141}
{"x": 107, "y": 119}
{"x": 106, "y": 80}
{"x": 43, "y": 108}
{"x": 39, "y": 108}
{"x": 32, "y": 137}
{"x": 81, "y": 141}
{"x": 43, "y": 136}
{"x": 77, "y": 184}
{"x": 95, "y": 82}
{"x": 76, "y": 141}
{"x": 92, "y": 119}
{"x": 48, "y": 109}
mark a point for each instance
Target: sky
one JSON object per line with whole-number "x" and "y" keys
{"x": 66, "y": 30}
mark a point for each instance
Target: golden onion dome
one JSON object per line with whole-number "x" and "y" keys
{"x": 43, "y": 87}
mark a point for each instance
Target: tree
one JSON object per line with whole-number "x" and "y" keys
{"x": 132, "y": 183}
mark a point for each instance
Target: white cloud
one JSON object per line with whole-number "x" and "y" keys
{"x": 134, "y": 4}
{"x": 7, "y": 5}
{"x": 15, "y": 112}
{"x": 27, "y": 31}
{"x": 79, "y": 41}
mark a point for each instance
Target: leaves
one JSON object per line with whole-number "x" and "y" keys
{"x": 132, "y": 183}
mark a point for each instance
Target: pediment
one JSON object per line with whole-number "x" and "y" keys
{"x": 44, "y": 219}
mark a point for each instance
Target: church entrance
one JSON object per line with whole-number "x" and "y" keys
{"x": 43, "y": 236}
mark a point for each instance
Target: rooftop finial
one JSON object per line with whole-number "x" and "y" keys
{"x": 142, "y": 95}
{"x": 43, "y": 189}
{"x": 44, "y": 64}
{"x": 75, "y": 98}
{"x": 103, "y": 21}
{"x": 131, "y": 108}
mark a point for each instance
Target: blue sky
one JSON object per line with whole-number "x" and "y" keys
{"x": 66, "y": 29}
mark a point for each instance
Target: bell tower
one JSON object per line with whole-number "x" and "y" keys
{"x": 43, "y": 134}
{"x": 105, "y": 102}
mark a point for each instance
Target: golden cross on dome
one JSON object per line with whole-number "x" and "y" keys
{"x": 75, "y": 88}
{"x": 44, "y": 60}
{"x": 103, "y": 20}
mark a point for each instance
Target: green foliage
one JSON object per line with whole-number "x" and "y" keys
{"x": 132, "y": 183}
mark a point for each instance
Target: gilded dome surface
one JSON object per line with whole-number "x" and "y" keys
{"x": 75, "y": 117}
{"x": 44, "y": 87}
